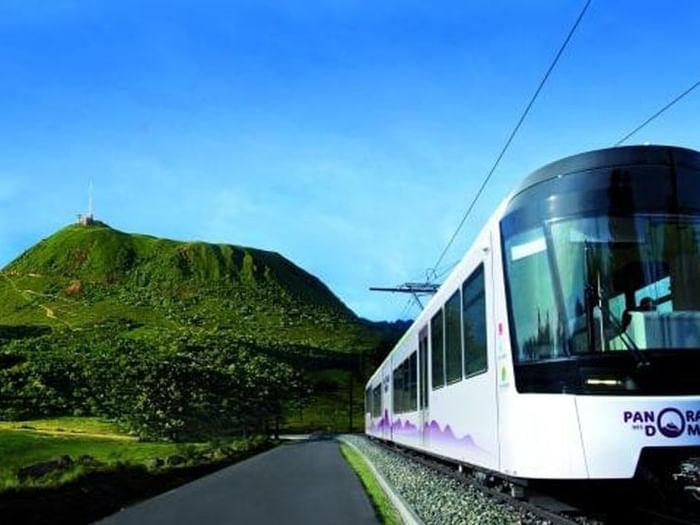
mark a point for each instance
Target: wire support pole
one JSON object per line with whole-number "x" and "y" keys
{"x": 416, "y": 290}
{"x": 514, "y": 132}
{"x": 657, "y": 114}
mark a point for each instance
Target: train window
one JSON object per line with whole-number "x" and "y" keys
{"x": 531, "y": 294}
{"x": 399, "y": 389}
{"x": 453, "y": 339}
{"x": 643, "y": 271}
{"x": 412, "y": 381}
{"x": 377, "y": 401}
{"x": 474, "y": 314}
{"x": 423, "y": 365}
{"x": 437, "y": 351}
{"x": 368, "y": 402}
{"x": 405, "y": 385}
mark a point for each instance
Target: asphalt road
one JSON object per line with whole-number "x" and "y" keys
{"x": 305, "y": 482}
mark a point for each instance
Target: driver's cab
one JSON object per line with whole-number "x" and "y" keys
{"x": 602, "y": 266}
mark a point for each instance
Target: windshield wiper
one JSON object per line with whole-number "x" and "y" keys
{"x": 626, "y": 339}
{"x": 595, "y": 297}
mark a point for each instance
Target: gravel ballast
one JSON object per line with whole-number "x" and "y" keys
{"x": 435, "y": 497}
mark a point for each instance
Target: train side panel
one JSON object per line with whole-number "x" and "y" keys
{"x": 460, "y": 420}
{"x": 463, "y": 419}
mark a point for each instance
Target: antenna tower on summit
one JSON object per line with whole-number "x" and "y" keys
{"x": 90, "y": 200}
{"x": 88, "y": 218}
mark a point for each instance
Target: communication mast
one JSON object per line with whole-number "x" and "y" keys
{"x": 87, "y": 219}
{"x": 90, "y": 200}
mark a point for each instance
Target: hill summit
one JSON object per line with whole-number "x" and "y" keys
{"x": 85, "y": 276}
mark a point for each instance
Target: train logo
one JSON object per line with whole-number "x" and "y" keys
{"x": 671, "y": 422}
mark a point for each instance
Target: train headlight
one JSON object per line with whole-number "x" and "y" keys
{"x": 605, "y": 382}
{"x": 599, "y": 380}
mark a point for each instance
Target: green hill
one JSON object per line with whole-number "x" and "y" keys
{"x": 86, "y": 276}
{"x": 179, "y": 340}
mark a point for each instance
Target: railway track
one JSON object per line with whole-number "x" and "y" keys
{"x": 552, "y": 507}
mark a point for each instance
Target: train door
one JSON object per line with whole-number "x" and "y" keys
{"x": 423, "y": 403}
{"x": 387, "y": 402}
{"x": 480, "y": 358}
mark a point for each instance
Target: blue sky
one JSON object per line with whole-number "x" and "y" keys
{"x": 348, "y": 136}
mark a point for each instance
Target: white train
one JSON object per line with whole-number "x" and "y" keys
{"x": 566, "y": 343}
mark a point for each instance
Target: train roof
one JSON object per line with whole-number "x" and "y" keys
{"x": 613, "y": 157}
{"x": 653, "y": 155}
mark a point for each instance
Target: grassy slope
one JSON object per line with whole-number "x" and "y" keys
{"x": 69, "y": 426}
{"x": 121, "y": 472}
{"x": 385, "y": 510}
{"x": 25, "y": 448}
{"x": 81, "y": 277}
{"x": 29, "y": 442}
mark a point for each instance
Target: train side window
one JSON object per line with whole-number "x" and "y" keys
{"x": 453, "y": 339}
{"x": 406, "y": 387}
{"x": 423, "y": 362}
{"x": 412, "y": 381}
{"x": 405, "y": 382}
{"x": 377, "y": 401}
{"x": 532, "y": 299}
{"x": 474, "y": 322}
{"x": 371, "y": 402}
{"x": 397, "y": 396}
{"x": 368, "y": 403}
{"x": 437, "y": 351}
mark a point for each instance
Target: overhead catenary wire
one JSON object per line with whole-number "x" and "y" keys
{"x": 406, "y": 308}
{"x": 447, "y": 269}
{"x": 658, "y": 113}
{"x": 513, "y": 133}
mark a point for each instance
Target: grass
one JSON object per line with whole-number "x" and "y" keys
{"x": 20, "y": 449}
{"x": 75, "y": 426}
{"x": 121, "y": 470}
{"x": 29, "y": 442}
{"x": 385, "y": 510}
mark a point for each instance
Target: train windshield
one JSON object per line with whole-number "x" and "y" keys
{"x": 603, "y": 284}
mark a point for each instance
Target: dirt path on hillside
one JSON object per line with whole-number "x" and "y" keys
{"x": 47, "y": 310}
{"x": 67, "y": 433}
